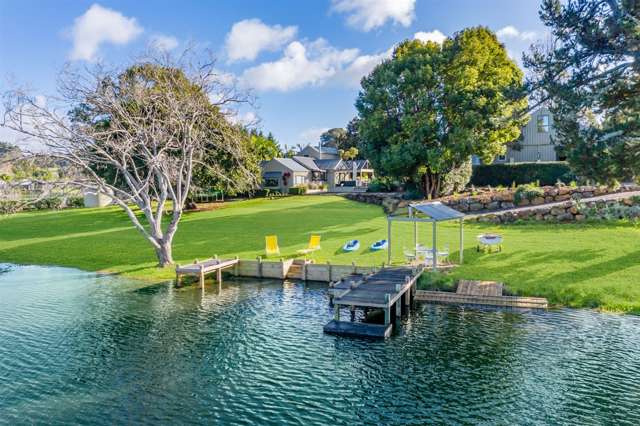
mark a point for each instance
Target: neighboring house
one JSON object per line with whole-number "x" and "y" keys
{"x": 316, "y": 165}
{"x": 280, "y": 174}
{"x": 319, "y": 152}
{"x": 535, "y": 142}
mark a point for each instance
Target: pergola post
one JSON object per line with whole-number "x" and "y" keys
{"x": 389, "y": 240}
{"x": 461, "y": 241}
{"x": 435, "y": 249}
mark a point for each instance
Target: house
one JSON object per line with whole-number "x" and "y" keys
{"x": 280, "y": 174}
{"x": 535, "y": 143}
{"x": 316, "y": 165}
{"x": 319, "y": 152}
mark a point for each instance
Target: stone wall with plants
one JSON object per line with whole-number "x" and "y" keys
{"x": 571, "y": 211}
{"x": 485, "y": 200}
{"x": 482, "y": 200}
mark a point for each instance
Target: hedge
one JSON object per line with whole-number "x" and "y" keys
{"x": 298, "y": 190}
{"x": 521, "y": 173}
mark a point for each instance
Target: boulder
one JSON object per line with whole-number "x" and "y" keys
{"x": 474, "y": 207}
{"x": 537, "y": 201}
{"x": 564, "y": 190}
{"x": 507, "y": 205}
{"x": 493, "y": 205}
{"x": 562, "y": 197}
{"x": 566, "y": 217}
{"x": 580, "y": 217}
{"x": 557, "y": 211}
{"x": 523, "y": 202}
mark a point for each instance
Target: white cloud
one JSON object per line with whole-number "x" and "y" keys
{"x": 362, "y": 66}
{"x": 435, "y": 36}
{"x": 163, "y": 43}
{"x": 312, "y": 135}
{"x": 369, "y": 14}
{"x": 511, "y": 32}
{"x": 100, "y": 25}
{"x": 249, "y": 37}
{"x": 248, "y": 118}
{"x": 302, "y": 64}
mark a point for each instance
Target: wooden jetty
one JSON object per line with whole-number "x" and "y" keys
{"x": 482, "y": 293}
{"x": 204, "y": 267}
{"x": 386, "y": 289}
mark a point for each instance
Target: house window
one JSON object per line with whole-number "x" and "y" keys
{"x": 543, "y": 124}
{"x": 300, "y": 180}
{"x": 502, "y": 157}
{"x": 271, "y": 182}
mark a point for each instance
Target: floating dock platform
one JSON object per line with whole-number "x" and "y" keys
{"x": 386, "y": 289}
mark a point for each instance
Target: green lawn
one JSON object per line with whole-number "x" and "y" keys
{"x": 575, "y": 265}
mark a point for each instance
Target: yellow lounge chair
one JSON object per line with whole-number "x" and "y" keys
{"x": 314, "y": 244}
{"x": 272, "y": 248}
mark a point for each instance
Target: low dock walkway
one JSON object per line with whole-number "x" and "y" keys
{"x": 482, "y": 293}
{"x": 386, "y": 289}
{"x": 204, "y": 267}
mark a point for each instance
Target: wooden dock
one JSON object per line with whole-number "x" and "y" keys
{"x": 481, "y": 293}
{"x": 386, "y": 289}
{"x": 204, "y": 267}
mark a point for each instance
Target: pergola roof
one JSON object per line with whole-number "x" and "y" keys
{"x": 437, "y": 211}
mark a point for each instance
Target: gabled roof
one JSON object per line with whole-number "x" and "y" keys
{"x": 319, "y": 149}
{"x": 307, "y": 162}
{"x": 291, "y": 164}
{"x": 360, "y": 164}
{"x": 329, "y": 164}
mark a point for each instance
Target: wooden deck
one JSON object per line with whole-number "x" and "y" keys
{"x": 201, "y": 268}
{"x": 384, "y": 289}
{"x": 481, "y": 293}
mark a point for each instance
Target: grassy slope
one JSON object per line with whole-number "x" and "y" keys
{"x": 576, "y": 265}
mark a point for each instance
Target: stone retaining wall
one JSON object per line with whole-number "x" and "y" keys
{"x": 568, "y": 211}
{"x": 494, "y": 200}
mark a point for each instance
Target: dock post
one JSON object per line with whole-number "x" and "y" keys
{"x": 236, "y": 267}
{"x": 201, "y": 277}
{"x": 387, "y": 310}
{"x": 399, "y": 308}
{"x": 330, "y": 270}
{"x": 336, "y": 312}
{"x": 219, "y": 276}
{"x": 259, "y": 267}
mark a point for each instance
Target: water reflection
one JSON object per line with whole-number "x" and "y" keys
{"x": 80, "y": 348}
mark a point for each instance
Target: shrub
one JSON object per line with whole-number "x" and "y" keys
{"x": 382, "y": 184}
{"x": 508, "y": 174}
{"x": 528, "y": 191}
{"x": 73, "y": 202}
{"x": 436, "y": 281}
{"x": 457, "y": 179}
{"x": 9, "y": 206}
{"x": 49, "y": 203}
{"x": 298, "y": 190}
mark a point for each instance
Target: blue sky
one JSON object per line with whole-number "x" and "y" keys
{"x": 303, "y": 59}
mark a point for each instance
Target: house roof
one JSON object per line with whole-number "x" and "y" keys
{"x": 437, "y": 211}
{"x": 307, "y": 162}
{"x": 292, "y": 165}
{"x": 360, "y": 164}
{"x": 328, "y": 164}
{"x": 323, "y": 150}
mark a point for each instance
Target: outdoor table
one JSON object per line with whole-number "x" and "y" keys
{"x": 488, "y": 241}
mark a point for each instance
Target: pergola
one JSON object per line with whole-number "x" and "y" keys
{"x": 431, "y": 212}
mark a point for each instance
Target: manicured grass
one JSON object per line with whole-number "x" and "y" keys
{"x": 586, "y": 265}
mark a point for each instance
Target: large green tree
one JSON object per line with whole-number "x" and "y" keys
{"x": 589, "y": 75}
{"x": 427, "y": 110}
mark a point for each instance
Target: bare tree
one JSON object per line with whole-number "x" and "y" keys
{"x": 149, "y": 124}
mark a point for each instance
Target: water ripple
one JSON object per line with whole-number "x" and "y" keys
{"x": 81, "y": 348}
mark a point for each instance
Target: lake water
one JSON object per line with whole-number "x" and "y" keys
{"x": 76, "y": 347}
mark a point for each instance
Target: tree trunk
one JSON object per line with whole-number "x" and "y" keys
{"x": 164, "y": 254}
{"x": 431, "y": 185}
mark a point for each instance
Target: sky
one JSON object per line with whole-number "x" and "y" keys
{"x": 302, "y": 60}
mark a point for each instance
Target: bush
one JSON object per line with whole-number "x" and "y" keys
{"x": 436, "y": 281}
{"x": 382, "y": 184}
{"x": 49, "y": 203}
{"x": 457, "y": 179}
{"x": 9, "y": 206}
{"x": 74, "y": 202}
{"x": 522, "y": 173}
{"x": 298, "y": 190}
{"x": 528, "y": 191}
